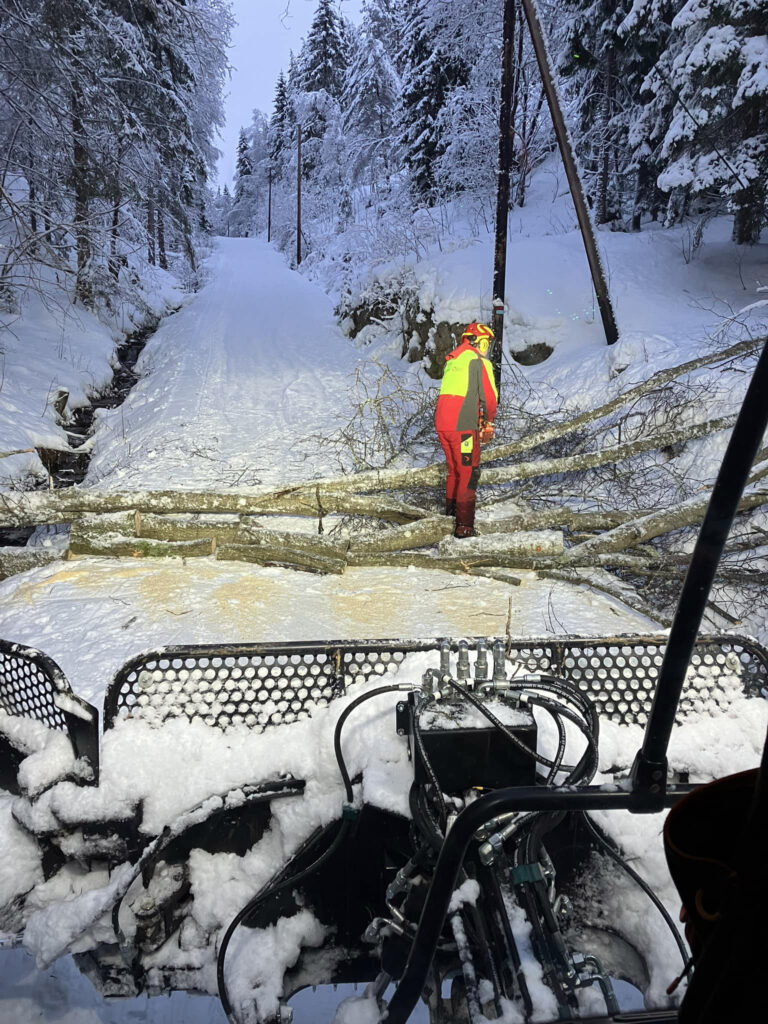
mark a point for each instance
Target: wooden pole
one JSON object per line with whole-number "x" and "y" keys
{"x": 298, "y": 199}
{"x": 574, "y": 182}
{"x": 269, "y": 208}
{"x": 502, "y": 190}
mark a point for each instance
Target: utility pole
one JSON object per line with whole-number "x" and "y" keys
{"x": 574, "y": 182}
{"x": 298, "y": 199}
{"x": 269, "y": 207}
{"x": 502, "y": 190}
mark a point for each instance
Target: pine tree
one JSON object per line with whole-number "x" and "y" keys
{"x": 323, "y": 61}
{"x": 371, "y": 95}
{"x": 431, "y": 69}
{"x": 716, "y": 68}
{"x": 279, "y": 122}
{"x": 243, "y": 166}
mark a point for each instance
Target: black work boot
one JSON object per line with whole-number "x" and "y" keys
{"x": 464, "y": 531}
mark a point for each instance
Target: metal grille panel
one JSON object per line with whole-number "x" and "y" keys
{"x": 260, "y": 686}
{"x": 29, "y": 685}
{"x": 33, "y": 686}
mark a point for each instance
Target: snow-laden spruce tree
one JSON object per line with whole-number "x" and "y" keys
{"x": 317, "y": 80}
{"x": 724, "y": 57}
{"x": 280, "y": 124}
{"x": 714, "y": 73}
{"x": 604, "y": 70}
{"x": 433, "y": 63}
{"x": 370, "y": 97}
{"x": 645, "y": 33}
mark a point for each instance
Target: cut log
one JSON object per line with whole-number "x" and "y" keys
{"x": 224, "y": 528}
{"x": 401, "y": 538}
{"x": 38, "y": 508}
{"x": 557, "y": 515}
{"x": 308, "y": 543}
{"x": 424, "y": 560}
{"x": 537, "y": 544}
{"x": 14, "y": 560}
{"x": 280, "y": 556}
{"x": 116, "y": 546}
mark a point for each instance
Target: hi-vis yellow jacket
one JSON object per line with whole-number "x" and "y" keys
{"x": 468, "y": 390}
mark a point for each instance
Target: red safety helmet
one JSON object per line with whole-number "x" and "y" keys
{"x": 480, "y": 336}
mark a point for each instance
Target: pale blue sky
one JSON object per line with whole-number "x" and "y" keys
{"x": 266, "y": 32}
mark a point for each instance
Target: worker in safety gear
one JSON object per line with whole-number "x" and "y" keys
{"x": 464, "y": 418}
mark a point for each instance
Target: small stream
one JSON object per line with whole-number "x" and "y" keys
{"x": 69, "y": 468}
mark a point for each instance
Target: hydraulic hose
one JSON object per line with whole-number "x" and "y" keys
{"x": 254, "y": 904}
{"x": 473, "y": 817}
{"x": 274, "y": 889}
{"x": 539, "y": 758}
{"x": 340, "y": 725}
{"x": 643, "y": 885}
{"x": 419, "y": 741}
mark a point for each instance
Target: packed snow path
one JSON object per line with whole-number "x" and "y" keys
{"x": 237, "y": 387}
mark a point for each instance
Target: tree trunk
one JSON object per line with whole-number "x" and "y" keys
{"x": 162, "y": 255}
{"x": 114, "y": 263}
{"x": 14, "y": 560}
{"x": 151, "y": 229}
{"x": 83, "y": 291}
{"x": 749, "y": 213}
{"x": 639, "y": 202}
{"x": 603, "y": 160}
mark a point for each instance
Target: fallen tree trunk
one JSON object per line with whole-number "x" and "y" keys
{"x": 398, "y": 479}
{"x": 281, "y": 556}
{"x": 525, "y": 444}
{"x": 14, "y": 560}
{"x": 637, "y": 531}
{"x": 605, "y": 456}
{"x": 400, "y": 538}
{"x": 38, "y": 508}
{"x": 116, "y": 546}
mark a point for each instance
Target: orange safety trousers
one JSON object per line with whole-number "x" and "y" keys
{"x": 462, "y": 454}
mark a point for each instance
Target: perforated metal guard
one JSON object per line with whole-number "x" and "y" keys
{"x": 33, "y": 686}
{"x": 263, "y": 685}
{"x": 29, "y": 683}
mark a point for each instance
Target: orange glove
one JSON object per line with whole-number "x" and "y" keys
{"x": 486, "y": 432}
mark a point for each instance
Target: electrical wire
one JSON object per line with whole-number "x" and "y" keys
{"x": 643, "y": 885}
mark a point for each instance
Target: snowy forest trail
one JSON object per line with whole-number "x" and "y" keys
{"x": 230, "y": 385}
{"x": 235, "y": 387}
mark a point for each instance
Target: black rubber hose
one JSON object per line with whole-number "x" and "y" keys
{"x": 484, "y": 710}
{"x": 340, "y": 725}
{"x": 585, "y": 770}
{"x": 539, "y": 758}
{"x": 473, "y": 817}
{"x": 419, "y": 741}
{"x": 643, "y": 885}
{"x": 253, "y": 905}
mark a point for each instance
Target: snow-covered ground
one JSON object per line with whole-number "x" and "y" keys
{"x": 234, "y": 388}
